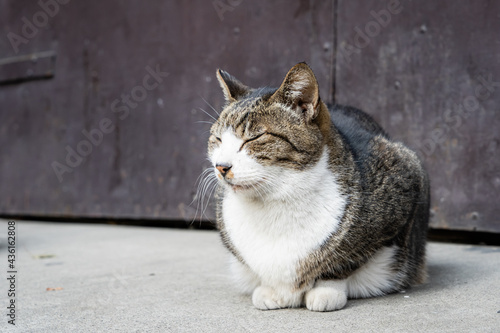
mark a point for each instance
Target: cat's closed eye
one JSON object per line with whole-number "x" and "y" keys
{"x": 215, "y": 139}
{"x": 255, "y": 137}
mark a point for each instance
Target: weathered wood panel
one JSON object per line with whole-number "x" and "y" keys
{"x": 430, "y": 73}
{"x": 144, "y": 148}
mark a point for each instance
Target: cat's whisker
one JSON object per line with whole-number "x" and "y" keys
{"x": 206, "y": 185}
{"x": 204, "y": 122}
{"x": 258, "y": 191}
{"x": 204, "y": 100}
{"x": 208, "y": 114}
{"x": 205, "y": 132}
{"x": 205, "y": 200}
{"x": 206, "y": 180}
{"x": 207, "y": 170}
{"x": 201, "y": 176}
{"x": 213, "y": 189}
{"x": 198, "y": 198}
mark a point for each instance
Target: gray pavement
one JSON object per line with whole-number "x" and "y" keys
{"x": 135, "y": 279}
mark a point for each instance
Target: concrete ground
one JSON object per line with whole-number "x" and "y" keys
{"x": 133, "y": 279}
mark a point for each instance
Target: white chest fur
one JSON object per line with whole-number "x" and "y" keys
{"x": 273, "y": 234}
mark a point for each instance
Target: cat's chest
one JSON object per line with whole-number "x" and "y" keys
{"x": 272, "y": 237}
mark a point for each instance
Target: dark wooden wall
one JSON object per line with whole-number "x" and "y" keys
{"x": 425, "y": 77}
{"x": 412, "y": 69}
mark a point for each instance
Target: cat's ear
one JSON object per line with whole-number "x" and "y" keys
{"x": 231, "y": 87}
{"x": 300, "y": 90}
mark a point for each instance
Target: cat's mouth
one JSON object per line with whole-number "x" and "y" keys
{"x": 242, "y": 187}
{"x": 237, "y": 188}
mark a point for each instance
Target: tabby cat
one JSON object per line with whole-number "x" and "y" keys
{"x": 315, "y": 205}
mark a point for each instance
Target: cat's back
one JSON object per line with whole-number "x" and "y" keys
{"x": 375, "y": 154}
{"x": 356, "y": 128}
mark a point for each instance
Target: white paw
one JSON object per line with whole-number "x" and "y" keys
{"x": 325, "y": 299}
{"x": 263, "y": 299}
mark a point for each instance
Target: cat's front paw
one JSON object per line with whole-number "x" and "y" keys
{"x": 263, "y": 299}
{"x": 325, "y": 299}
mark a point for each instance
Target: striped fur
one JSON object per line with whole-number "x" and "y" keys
{"x": 316, "y": 205}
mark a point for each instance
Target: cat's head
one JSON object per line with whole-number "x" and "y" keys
{"x": 263, "y": 135}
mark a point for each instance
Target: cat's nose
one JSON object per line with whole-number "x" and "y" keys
{"x": 223, "y": 169}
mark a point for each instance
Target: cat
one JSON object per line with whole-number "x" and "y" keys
{"x": 315, "y": 205}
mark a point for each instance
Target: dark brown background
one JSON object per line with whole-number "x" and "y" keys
{"x": 416, "y": 69}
